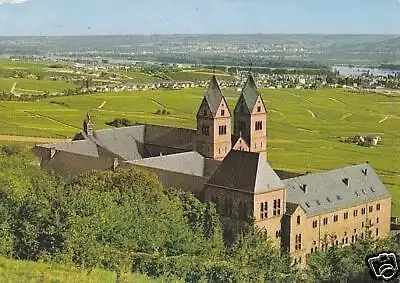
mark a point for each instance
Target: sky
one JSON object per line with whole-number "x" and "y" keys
{"x": 102, "y": 17}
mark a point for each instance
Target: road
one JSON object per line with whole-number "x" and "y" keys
{"x": 31, "y": 139}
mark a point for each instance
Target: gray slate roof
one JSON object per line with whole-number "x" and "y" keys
{"x": 327, "y": 191}
{"x": 213, "y": 95}
{"x": 291, "y": 208}
{"x": 124, "y": 142}
{"x": 191, "y": 163}
{"x": 82, "y": 147}
{"x": 246, "y": 171}
{"x": 130, "y": 143}
{"x": 250, "y": 93}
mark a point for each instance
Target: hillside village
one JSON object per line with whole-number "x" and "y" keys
{"x": 95, "y": 76}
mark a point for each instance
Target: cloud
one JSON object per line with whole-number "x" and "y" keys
{"x": 12, "y": 1}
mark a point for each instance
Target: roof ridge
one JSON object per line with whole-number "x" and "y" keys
{"x": 334, "y": 170}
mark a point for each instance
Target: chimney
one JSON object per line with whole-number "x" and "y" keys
{"x": 304, "y": 188}
{"x": 116, "y": 163}
{"x": 346, "y": 181}
{"x": 52, "y": 152}
{"x": 365, "y": 171}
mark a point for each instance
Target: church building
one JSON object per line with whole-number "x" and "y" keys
{"x": 224, "y": 161}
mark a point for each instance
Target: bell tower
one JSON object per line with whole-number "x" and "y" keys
{"x": 88, "y": 126}
{"x": 213, "y": 138}
{"x": 250, "y": 118}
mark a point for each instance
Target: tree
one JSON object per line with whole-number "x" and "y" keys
{"x": 260, "y": 259}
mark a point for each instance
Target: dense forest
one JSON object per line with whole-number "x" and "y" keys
{"x": 125, "y": 221}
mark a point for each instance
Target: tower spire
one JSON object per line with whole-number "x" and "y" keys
{"x": 88, "y": 126}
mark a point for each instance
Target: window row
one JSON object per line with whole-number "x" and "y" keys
{"x": 258, "y": 126}
{"x": 222, "y": 130}
{"x": 205, "y": 131}
{"x": 297, "y": 261}
{"x": 345, "y": 240}
{"x": 345, "y": 215}
{"x": 298, "y": 242}
{"x": 264, "y": 209}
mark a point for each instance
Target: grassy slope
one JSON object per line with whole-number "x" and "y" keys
{"x": 297, "y": 141}
{"x": 7, "y": 68}
{"x": 203, "y": 75}
{"x": 30, "y": 272}
{"x": 34, "y": 85}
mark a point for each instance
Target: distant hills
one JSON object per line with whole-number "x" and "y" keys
{"x": 214, "y": 48}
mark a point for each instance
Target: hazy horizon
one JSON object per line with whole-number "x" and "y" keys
{"x": 198, "y": 17}
{"x": 209, "y": 34}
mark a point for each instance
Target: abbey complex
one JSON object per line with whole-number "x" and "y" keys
{"x": 225, "y": 161}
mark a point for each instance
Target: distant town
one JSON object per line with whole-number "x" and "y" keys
{"x": 95, "y": 76}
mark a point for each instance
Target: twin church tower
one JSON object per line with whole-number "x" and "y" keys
{"x": 214, "y": 122}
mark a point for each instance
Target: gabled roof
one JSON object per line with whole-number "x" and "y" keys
{"x": 236, "y": 138}
{"x": 81, "y": 147}
{"x": 191, "y": 163}
{"x": 214, "y": 96}
{"x": 124, "y": 142}
{"x": 291, "y": 208}
{"x": 250, "y": 93}
{"x": 246, "y": 171}
{"x": 328, "y": 191}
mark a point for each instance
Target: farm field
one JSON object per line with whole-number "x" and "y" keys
{"x": 33, "y": 86}
{"x": 32, "y": 272}
{"x": 198, "y": 75}
{"x": 304, "y": 126}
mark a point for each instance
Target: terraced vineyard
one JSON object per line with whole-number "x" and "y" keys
{"x": 305, "y": 126}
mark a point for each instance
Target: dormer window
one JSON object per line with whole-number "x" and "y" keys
{"x": 258, "y": 108}
{"x": 205, "y": 112}
{"x": 222, "y": 112}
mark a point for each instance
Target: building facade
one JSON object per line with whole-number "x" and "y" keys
{"x": 225, "y": 162}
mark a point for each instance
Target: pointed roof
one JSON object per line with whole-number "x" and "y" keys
{"x": 213, "y": 95}
{"x": 88, "y": 119}
{"x": 246, "y": 171}
{"x": 250, "y": 93}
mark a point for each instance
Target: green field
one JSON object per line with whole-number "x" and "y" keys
{"x": 186, "y": 75}
{"x": 12, "y": 271}
{"x": 10, "y": 70}
{"x": 198, "y": 75}
{"x": 138, "y": 77}
{"x": 33, "y": 67}
{"x": 33, "y": 86}
{"x": 297, "y": 140}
